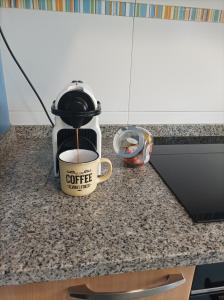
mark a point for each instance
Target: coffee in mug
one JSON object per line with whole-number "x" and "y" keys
{"x": 79, "y": 171}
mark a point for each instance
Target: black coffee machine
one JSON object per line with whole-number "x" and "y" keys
{"x": 75, "y": 107}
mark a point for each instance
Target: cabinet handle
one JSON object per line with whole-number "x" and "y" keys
{"x": 85, "y": 292}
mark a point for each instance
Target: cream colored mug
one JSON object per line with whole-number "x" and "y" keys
{"x": 79, "y": 171}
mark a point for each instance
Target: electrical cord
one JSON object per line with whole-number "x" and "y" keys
{"x": 26, "y": 77}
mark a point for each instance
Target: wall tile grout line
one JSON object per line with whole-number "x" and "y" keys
{"x": 122, "y": 8}
{"x": 139, "y": 111}
{"x": 131, "y": 64}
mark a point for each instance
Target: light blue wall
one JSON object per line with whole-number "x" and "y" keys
{"x": 4, "y": 115}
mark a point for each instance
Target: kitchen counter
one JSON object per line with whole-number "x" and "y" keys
{"x": 131, "y": 222}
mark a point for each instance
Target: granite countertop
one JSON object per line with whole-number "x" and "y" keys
{"x": 131, "y": 222}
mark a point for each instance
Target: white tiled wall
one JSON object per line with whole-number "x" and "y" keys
{"x": 56, "y": 48}
{"x": 177, "y": 72}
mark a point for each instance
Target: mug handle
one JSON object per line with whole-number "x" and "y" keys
{"x": 104, "y": 177}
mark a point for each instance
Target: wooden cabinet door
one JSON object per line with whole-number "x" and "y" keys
{"x": 58, "y": 290}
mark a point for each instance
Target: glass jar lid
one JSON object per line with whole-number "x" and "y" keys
{"x": 128, "y": 142}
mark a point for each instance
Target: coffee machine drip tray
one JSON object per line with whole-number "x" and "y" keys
{"x": 193, "y": 169}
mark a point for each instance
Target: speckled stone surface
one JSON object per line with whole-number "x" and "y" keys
{"x": 173, "y": 129}
{"x": 7, "y": 138}
{"x": 108, "y": 131}
{"x": 131, "y": 222}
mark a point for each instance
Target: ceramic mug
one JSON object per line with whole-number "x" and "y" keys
{"x": 79, "y": 171}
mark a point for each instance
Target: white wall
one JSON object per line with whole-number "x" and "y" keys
{"x": 176, "y": 77}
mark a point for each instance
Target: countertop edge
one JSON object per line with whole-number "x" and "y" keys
{"x": 71, "y": 272}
